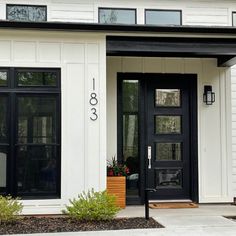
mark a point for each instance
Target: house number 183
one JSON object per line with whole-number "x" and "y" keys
{"x": 93, "y": 101}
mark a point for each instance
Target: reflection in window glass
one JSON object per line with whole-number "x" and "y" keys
{"x": 163, "y": 17}
{"x": 26, "y": 13}
{"x": 3, "y": 120}
{"x": 3, "y": 169}
{"x": 168, "y": 124}
{"x": 37, "y": 169}
{"x": 169, "y": 178}
{"x": 234, "y": 18}
{"x": 130, "y": 95}
{"x": 117, "y": 16}
{"x": 37, "y": 120}
{"x": 168, "y": 151}
{"x": 130, "y": 134}
{"x": 36, "y": 78}
{"x": 167, "y": 97}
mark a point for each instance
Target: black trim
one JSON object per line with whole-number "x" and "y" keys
{"x": 169, "y": 10}
{"x": 27, "y": 5}
{"x": 224, "y": 49}
{"x": 108, "y": 28}
{"x": 114, "y": 8}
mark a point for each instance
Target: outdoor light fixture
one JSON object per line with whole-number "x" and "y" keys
{"x": 208, "y": 96}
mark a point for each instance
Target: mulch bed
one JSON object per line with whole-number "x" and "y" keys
{"x": 27, "y": 225}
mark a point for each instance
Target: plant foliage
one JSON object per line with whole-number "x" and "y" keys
{"x": 10, "y": 208}
{"x": 93, "y": 206}
{"x": 116, "y": 169}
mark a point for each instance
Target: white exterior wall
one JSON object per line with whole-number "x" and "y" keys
{"x": 81, "y": 57}
{"x": 233, "y": 79}
{"x": 214, "y": 122}
{"x": 205, "y": 12}
{"x": 194, "y": 12}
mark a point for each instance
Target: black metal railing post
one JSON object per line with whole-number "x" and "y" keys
{"x": 146, "y": 204}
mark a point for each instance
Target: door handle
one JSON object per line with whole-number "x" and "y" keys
{"x": 149, "y": 157}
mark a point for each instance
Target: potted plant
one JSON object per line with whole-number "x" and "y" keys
{"x": 116, "y": 181}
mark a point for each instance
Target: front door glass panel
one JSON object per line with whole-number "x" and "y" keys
{"x": 168, "y": 124}
{"x": 168, "y": 152}
{"x": 167, "y": 97}
{"x": 169, "y": 178}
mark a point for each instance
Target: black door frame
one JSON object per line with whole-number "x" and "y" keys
{"x": 142, "y": 133}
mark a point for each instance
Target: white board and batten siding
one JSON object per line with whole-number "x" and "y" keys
{"x": 194, "y": 12}
{"x": 81, "y": 58}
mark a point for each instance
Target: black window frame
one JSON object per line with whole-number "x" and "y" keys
{"x": 28, "y": 5}
{"x": 118, "y": 8}
{"x": 12, "y": 91}
{"x": 164, "y": 10}
{"x": 233, "y": 15}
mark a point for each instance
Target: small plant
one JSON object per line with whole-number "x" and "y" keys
{"x": 116, "y": 169}
{"x": 10, "y": 208}
{"x": 92, "y": 206}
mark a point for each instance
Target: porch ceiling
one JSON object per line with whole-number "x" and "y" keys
{"x": 223, "y": 49}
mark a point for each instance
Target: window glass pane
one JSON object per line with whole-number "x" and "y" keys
{"x": 168, "y": 124}
{"x": 163, "y": 17}
{"x": 3, "y": 120}
{"x": 117, "y": 16}
{"x": 3, "y": 169}
{"x": 26, "y": 13}
{"x": 234, "y": 19}
{"x": 169, "y": 178}
{"x": 37, "y": 169}
{"x": 36, "y": 78}
{"x": 130, "y": 134}
{"x": 130, "y": 95}
{"x": 167, "y": 97}
{"x": 168, "y": 151}
{"x": 3, "y": 78}
{"x": 37, "y": 119}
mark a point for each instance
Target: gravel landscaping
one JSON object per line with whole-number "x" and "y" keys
{"x": 28, "y": 225}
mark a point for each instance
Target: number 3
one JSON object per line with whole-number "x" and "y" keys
{"x": 94, "y": 112}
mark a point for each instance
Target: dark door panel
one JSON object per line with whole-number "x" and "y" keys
{"x": 168, "y": 132}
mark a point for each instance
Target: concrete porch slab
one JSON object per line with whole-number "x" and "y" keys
{"x": 194, "y": 221}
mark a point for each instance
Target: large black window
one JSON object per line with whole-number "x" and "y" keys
{"x": 117, "y": 16}
{"x": 30, "y": 132}
{"x": 26, "y": 12}
{"x": 163, "y": 17}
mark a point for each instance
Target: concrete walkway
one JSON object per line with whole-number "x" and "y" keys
{"x": 205, "y": 220}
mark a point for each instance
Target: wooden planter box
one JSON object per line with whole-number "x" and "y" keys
{"x": 116, "y": 185}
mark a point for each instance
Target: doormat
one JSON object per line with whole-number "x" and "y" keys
{"x": 172, "y": 205}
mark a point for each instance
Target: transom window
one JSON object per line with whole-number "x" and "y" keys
{"x": 26, "y": 12}
{"x": 117, "y": 16}
{"x": 163, "y": 17}
{"x": 234, "y": 18}
{"x": 30, "y": 132}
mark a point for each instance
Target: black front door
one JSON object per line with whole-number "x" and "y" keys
{"x": 157, "y": 135}
{"x": 168, "y": 160}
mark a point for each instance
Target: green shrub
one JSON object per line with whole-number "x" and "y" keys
{"x": 92, "y": 206}
{"x": 10, "y": 208}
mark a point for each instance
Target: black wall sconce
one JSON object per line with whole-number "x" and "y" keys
{"x": 208, "y": 96}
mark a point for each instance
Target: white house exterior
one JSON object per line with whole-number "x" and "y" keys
{"x": 68, "y": 88}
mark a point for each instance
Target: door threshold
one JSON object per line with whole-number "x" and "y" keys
{"x": 172, "y": 200}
